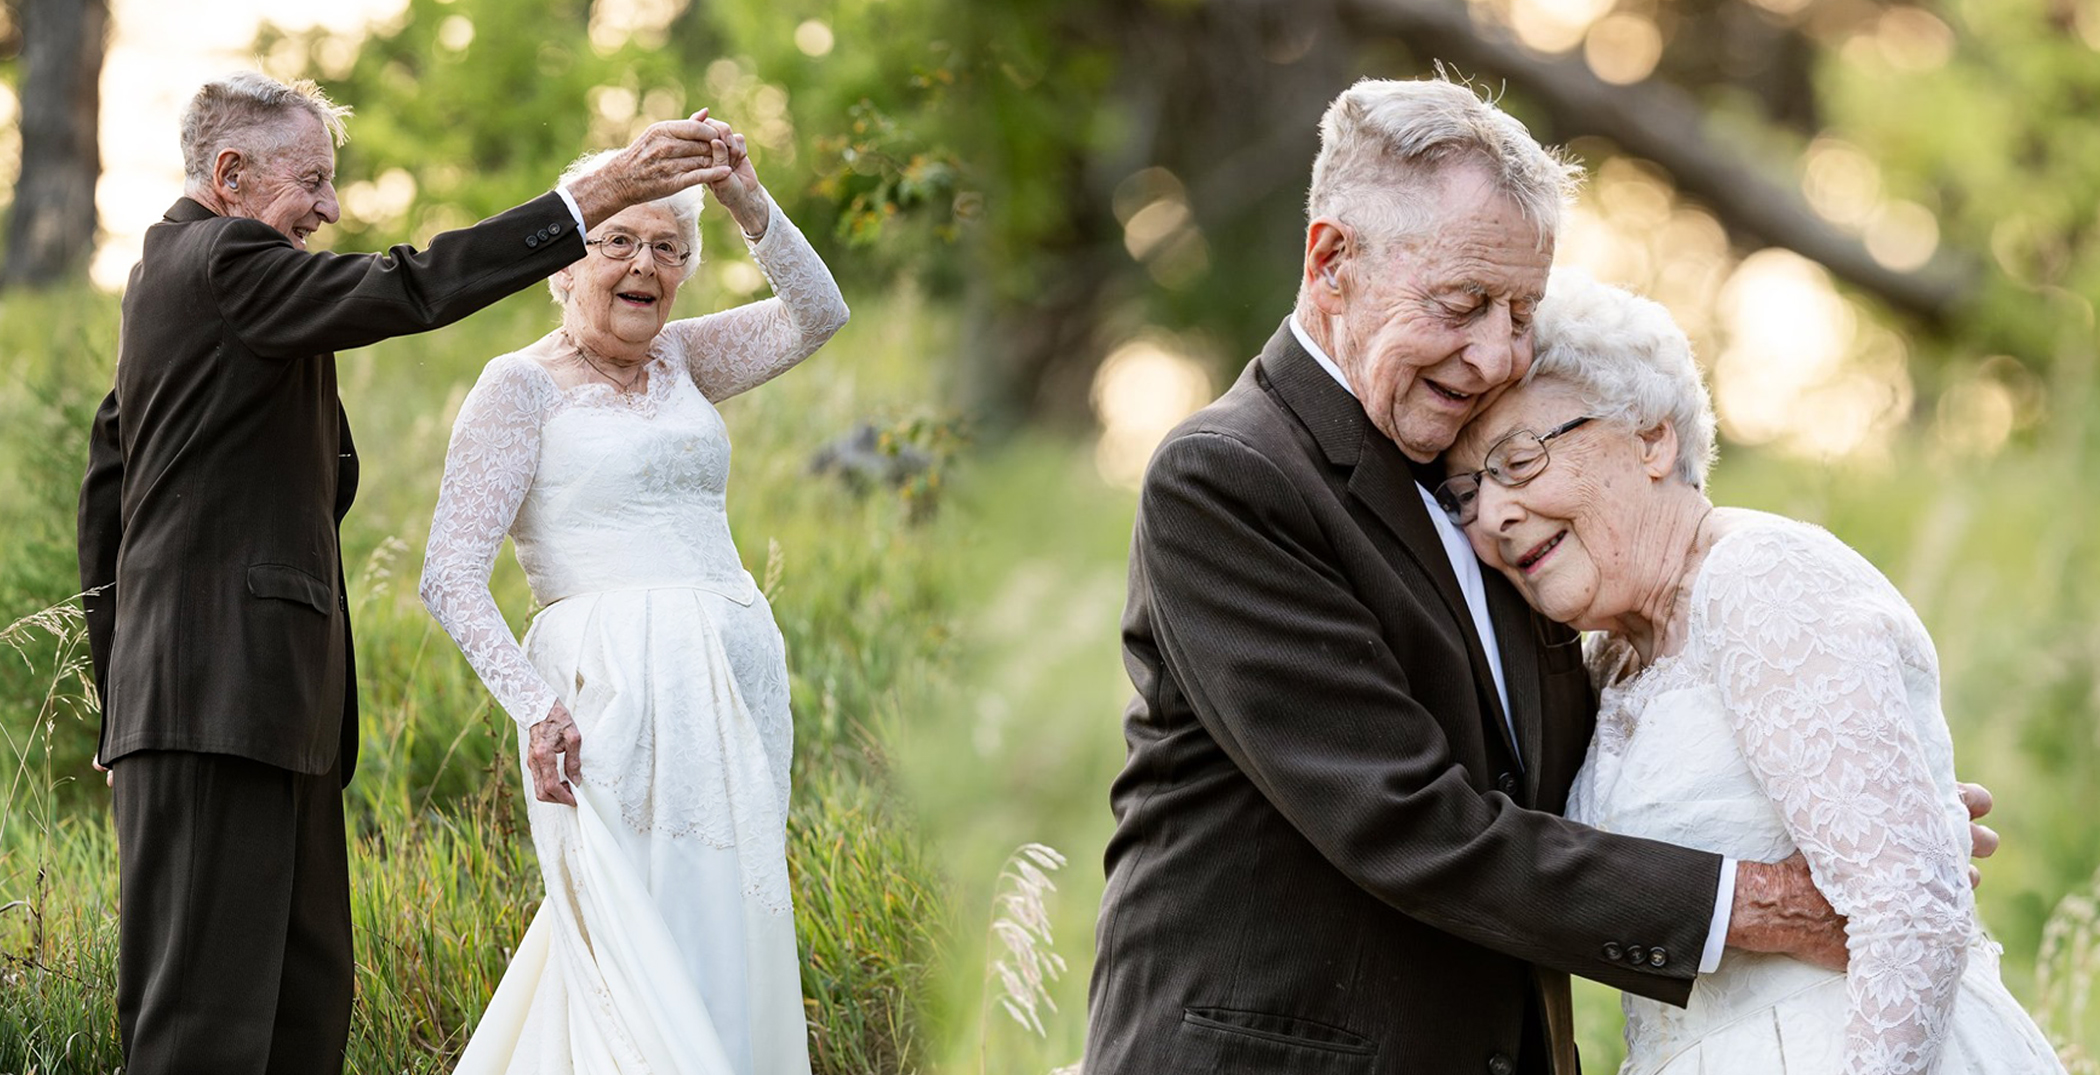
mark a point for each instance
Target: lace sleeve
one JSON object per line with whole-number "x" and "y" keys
{"x": 1809, "y": 657}
{"x": 738, "y": 350}
{"x": 488, "y": 467}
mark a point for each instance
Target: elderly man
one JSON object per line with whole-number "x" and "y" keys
{"x": 1336, "y": 846}
{"x": 220, "y": 467}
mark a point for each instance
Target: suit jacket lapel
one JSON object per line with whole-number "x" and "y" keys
{"x": 1382, "y": 481}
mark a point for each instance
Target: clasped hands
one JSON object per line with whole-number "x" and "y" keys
{"x": 1778, "y": 908}
{"x": 671, "y": 156}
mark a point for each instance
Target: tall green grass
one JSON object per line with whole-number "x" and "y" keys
{"x": 443, "y": 875}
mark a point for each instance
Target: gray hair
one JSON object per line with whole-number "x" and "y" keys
{"x": 1385, "y": 145}
{"x": 245, "y": 111}
{"x": 1628, "y": 360}
{"x": 684, "y": 207}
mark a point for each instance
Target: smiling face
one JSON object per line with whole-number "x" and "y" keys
{"x": 1582, "y": 540}
{"x": 617, "y": 307}
{"x": 290, "y": 187}
{"x": 1432, "y": 330}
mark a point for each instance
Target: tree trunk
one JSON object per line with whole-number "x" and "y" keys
{"x": 52, "y": 229}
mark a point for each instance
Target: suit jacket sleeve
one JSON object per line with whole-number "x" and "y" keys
{"x": 101, "y": 533}
{"x": 1292, "y": 676}
{"x": 287, "y": 303}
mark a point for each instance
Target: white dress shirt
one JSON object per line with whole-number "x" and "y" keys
{"x": 569, "y": 200}
{"x": 1467, "y": 567}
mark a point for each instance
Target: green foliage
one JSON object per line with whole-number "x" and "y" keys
{"x": 466, "y": 107}
{"x": 1985, "y": 139}
{"x": 443, "y": 875}
{"x": 480, "y": 128}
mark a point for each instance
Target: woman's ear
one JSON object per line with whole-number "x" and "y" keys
{"x": 1659, "y": 449}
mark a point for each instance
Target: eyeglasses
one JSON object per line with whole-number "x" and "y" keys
{"x": 621, "y": 246}
{"x": 1512, "y": 461}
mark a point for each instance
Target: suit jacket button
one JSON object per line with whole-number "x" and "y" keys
{"x": 532, "y": 240}
{"x": 555, "y": 227}
{"x": 1613, "y": 952}
{"x": 1636, "y": 955}
{"x": 1506, "y": 784}
{"x": 1657, "y": 957}
{"x": 1500, "y": 1064}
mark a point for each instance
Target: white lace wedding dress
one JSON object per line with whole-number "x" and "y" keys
{"x": 1803, "y": 711}
{"x": 666, "y": 942}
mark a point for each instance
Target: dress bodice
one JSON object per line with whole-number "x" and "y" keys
{"x": 1801, "y": 713}
{"x": 626, "y": 496}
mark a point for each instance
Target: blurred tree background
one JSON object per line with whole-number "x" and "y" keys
{"x": 1073, "y": 221}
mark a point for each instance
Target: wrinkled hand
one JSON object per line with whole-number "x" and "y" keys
{"x": 664, "y": 159}
{"x": 739, "y": 190}
{"x": 1983, "y": 840}
{"x": 555, "y": 736}
{"x": 1778, "y": 909}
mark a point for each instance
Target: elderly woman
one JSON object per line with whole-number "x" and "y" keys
{"x": 654, "y": 675}
{"x": 1764, "y": 690}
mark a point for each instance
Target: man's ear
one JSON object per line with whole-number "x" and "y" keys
{"x": 226, "y": 171}
{"x": 1328, "y": 242}
{"x": 1659, "y": 449}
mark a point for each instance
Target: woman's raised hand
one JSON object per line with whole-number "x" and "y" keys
{"x": 738, "y": 188}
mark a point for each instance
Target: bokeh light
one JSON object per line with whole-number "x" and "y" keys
{"x": 1799, "y": 369}
{"x": 647, "y": 23}
{"x": 1914, "y": 39}
{"x": 456, "y": 33}
{"x": 813, "y": 38}
{"x": 1555, "y": 25}
{"x": 1159, "y": 228}
{"x": 1975, "y": 417}
{"x": 1623, "y": 48}
{"x": 1902, "y": 235}
{"x": 1842, "y": 184}
{"x": 383, "y": 201}
{"x": 1141, "y": 392}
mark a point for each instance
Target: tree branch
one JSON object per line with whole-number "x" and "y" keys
{"x": 1662, "y": 124}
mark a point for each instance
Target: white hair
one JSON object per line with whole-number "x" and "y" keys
{"x": 1385, "y": 147}
{"x": 246, "y": 111}
{"x": 684, "y": 207}
{"x": 1629, "y": 361}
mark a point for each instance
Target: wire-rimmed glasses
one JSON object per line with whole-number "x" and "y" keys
{"x": 620, "y": 246}
{"x": 1512, "y": 461}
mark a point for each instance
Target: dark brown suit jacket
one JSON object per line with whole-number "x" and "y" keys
{"x": 1326, "y": 857}
{"x": 221, "y": 464}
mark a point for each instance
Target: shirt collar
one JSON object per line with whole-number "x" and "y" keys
{"x": 1319, "y": 355}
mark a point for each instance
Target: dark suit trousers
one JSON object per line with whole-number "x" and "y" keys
{"x": 234, "y": 945}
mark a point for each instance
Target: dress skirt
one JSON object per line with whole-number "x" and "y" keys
{"x": 666, "y": 942}
{"x": 1789, "y": 1018}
